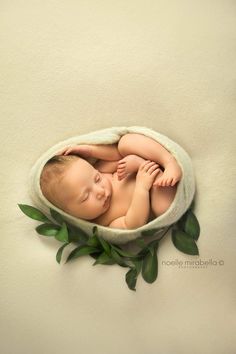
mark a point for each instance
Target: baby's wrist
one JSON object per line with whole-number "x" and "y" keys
{"x": 142, "y": 188}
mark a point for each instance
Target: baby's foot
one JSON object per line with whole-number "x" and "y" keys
{"x": 172, "y": 174}
{"x": 128, "y": 164}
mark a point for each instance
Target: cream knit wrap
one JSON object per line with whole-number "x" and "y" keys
{"x": 183, "y": 198}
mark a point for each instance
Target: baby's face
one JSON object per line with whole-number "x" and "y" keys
{"x": 83, "y": 191}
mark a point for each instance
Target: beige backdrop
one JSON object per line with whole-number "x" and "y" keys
{"x": 70, "y": 67}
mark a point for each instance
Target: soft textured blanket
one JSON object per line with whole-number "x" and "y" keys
{"x": 183, "y": 198}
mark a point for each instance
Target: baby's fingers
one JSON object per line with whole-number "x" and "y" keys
{"x": 146, "y": 165}
{"x": 62, "y": 152}
{"x": 151, "y": 168}
{"x": 68, "y": 151}
{"x": 154, "y": 170}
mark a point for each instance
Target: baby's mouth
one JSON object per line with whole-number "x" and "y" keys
{"x": 106, "y": 201}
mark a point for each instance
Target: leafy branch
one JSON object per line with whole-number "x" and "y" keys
{"x": 185, "y": 233}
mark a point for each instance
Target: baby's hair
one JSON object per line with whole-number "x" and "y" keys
{"x": 52, "y": 173}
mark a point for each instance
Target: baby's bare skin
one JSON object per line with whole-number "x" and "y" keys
{"x": 127, "y": 165}
{"x": 127, "y": 195}
{"x": 125, "y": 190}
{"x": 131, "y": 202}
{"x": 139, "y": 145}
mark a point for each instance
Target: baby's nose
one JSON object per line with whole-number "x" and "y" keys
{"x": 100, "y": 193}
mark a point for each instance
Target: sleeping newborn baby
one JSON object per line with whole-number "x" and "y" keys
{"x": 130, "y": 183}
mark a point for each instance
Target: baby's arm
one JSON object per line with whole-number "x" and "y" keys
{"x": 138, "y": 212}
{"x": 107, "y": 155}
{"x": 101, "y": 152}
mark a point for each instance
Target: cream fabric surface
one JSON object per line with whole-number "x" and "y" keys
{"x": 183, "y": 198}
{"x": 72, "y": 67}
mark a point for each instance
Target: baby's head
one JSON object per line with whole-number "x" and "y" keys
{"x": 75, "y": 186}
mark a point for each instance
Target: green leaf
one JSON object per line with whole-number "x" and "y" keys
{"x": 56, "y": 216}
{"x": 105, "y": 245}
{"x": 59, "y": 252}
{"x": 151, "y": 249}
{"x": 62, "y": 234}
{"x": 153, "y": 243}
{"x": 180, "y": 223}
{"x": 115, "y": 255}
{"x": 142, "y": 253}
{"x": 148, "y": 248}
{"x": 150, "y": 267}
{"x": 104, "y": 259}
{"x": 138, "y": 265}
{"x": 47, "y": 229}
{"x": 131, "y": 278}
{"x": 93, "y": 241}
{"x": 184, "y": 242}
{"x": 76, "y": 234}
{"x": 81, "y": 250}
{"x": 140, "y": 242}
{"x": 189, "y": 224}
{"x": 122, "y": 252}
{"x": 33, "y": 212}
{"x": 192, "y": 226}
{"x": 134, "y": 258}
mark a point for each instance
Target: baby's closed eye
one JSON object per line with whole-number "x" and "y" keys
{"x": 85, "y": 197}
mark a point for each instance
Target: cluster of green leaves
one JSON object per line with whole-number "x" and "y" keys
{"x": 184, "y": 234}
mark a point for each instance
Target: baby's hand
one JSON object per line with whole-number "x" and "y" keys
{"x": 147, "y": 173}
{"x": 81, "y": 150}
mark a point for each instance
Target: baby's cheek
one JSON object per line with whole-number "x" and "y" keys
{"x": 108, "y": 185}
